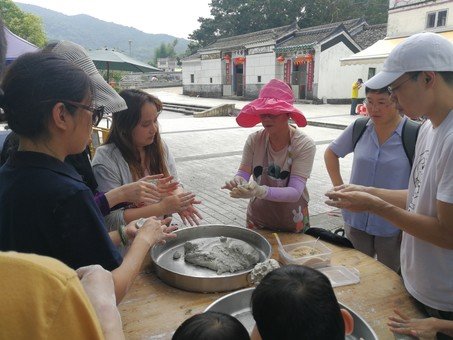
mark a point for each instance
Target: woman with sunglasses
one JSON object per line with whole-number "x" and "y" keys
{"x": 380, "y": 161}
{"x": 46, "y": 207}
{"x": 133, "y": 150}
{"x": 280, "y": 159}
{"x": 107, "y": 101}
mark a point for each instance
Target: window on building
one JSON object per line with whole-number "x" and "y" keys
{"x": 371, "y": 72}
{"x": 210, "y": 80}
{"x": 431, "y": 20}
{"x": 192, "y": 78}
{"x": 259, "y": 79}
{"x": 436, "y": 19}
{"x": 441, "y": 18}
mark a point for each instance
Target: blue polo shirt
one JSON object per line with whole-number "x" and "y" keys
{"x": 46, "y": 209}
{"x": 382, "y": 166}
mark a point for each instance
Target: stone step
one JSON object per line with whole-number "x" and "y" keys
{"x": 199, "y": 107}
{"x": 186, "y": 109}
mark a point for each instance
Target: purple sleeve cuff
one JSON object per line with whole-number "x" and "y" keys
{"x": 245, "y": 175}
{"x": 291, "y": 193}
{"x": 102, "y": 203}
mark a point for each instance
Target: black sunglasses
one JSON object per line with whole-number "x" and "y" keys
{"x": 97, "y": 111}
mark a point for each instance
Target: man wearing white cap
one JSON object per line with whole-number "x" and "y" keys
{"x": 419, "y": 73}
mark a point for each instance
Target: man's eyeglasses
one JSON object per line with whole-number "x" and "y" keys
{"x": 97, "y": 111}
{"x": 377, "y": 105}
{"x": 392, "y": 89}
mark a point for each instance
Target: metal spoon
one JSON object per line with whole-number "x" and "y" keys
{"x": 314, "y": 245}
{"x": 278, "y": 241}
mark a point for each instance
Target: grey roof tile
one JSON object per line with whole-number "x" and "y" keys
{"x": 312, "y": 35}
{"x": 195, "y": 56}
{"x": 239, "y": 41}
{"x": 364, "y": 34}
{"x": 370, "y": 35}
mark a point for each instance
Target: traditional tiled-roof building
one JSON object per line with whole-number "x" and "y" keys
{"x": 307, "y": 59}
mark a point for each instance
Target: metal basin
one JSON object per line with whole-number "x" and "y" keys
{"x": 237, "y": 304}
{"x": 180, "y": 274}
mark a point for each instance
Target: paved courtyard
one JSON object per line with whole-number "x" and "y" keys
{"x": 208, "y": 152}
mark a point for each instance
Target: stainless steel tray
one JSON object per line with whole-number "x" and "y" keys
{"x": 185, "y": 276}
{"x": 237, "y": 304}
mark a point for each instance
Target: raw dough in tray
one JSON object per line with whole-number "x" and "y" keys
{"x": 221, "y": 254}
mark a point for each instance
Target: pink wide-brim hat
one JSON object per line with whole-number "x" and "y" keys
{"x": 275, "y": 98}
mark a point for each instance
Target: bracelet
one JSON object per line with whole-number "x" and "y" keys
{"x": 123, "y": 235}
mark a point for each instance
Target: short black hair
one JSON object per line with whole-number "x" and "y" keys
{"x": 211, "y": 325}
{"x": 297, "y": 302}
{"x": 447, "y": 77}
{"x": 360, "y": 80}
{"x": 385, "y": 89}
{"x": 33, "y": 84}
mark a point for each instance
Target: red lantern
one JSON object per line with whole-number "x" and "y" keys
{"x": 227, "y": 58}
{"x": 239, "y": 60}
{"x": 280, "y": 59}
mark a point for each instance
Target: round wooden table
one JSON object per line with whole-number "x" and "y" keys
{"x": 153, "y": 310}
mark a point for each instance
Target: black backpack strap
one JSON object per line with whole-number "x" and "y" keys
{"x": 358, "y": 129}
{"x": 409, "y": 136}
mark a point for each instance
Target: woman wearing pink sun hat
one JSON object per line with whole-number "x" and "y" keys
{"x": 280, "y": 159}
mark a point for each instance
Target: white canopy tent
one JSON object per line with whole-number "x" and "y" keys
{"x": 379, "y": 51}
{"x": 16, "y": 46}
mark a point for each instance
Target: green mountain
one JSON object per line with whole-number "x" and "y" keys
{"x": 94, "y": 34}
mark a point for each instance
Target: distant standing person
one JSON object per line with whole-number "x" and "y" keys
{"x": 355, "y": 95}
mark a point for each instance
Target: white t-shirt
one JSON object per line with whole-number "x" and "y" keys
{"x": 427, "y": 269}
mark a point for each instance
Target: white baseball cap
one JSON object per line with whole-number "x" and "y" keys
{"x": 420, "y": 52}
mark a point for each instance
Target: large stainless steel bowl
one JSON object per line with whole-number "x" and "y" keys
{"x": 237, "y": 304}
{"x": 186, "y": 276}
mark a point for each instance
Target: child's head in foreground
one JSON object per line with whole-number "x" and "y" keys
{"x": 297, "y": 302}
{"x": 211, "y": 325}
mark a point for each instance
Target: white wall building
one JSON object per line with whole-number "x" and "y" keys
{"x": 307, "y": 59}
{"x": 405, "y": 17}
{"x": 234, "y": 66}
{"x": 414, "y": 16}
{"x": 324, "y": 79}
{"x": 167, "y": 64}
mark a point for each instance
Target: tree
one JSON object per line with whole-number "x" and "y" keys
{"x": 25, "y": 25}
{"x": 321, "y": 12}
{"x": 165, "y": 51}
{"x": 234, "y": 17}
